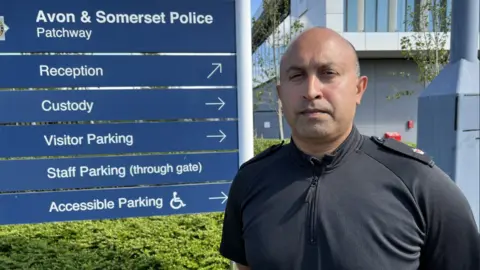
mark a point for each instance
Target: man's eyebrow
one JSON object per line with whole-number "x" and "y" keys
{"x": 322, "y": 65}
{"x": 327, "y": 64}
{"x": 294, "y": 68}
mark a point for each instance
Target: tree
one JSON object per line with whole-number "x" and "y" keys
{"x": 426, "y": 45}
{"x": 277, "y": 33}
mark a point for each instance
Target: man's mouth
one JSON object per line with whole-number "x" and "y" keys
{"x": 313, "y": 111}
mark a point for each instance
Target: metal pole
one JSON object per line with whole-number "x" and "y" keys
{"x": 464, "y": 30}
{"x": 244, "y": 80}
{"x": 244, "y": 83}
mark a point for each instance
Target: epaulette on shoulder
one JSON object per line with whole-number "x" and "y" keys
{"x": 402, "y": 149}
{"x": 265, "y": 153}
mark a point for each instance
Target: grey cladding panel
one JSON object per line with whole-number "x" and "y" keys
{"x": 469, "y": 112}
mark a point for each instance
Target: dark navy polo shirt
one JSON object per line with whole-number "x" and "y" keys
{"x": 372, "y": 205}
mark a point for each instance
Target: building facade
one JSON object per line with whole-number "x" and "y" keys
{"x": 376, "y": 29}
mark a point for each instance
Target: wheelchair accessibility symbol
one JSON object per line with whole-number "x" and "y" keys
{"x": 176, "y": 202}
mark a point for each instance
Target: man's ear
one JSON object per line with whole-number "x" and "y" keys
{"x": 361, "y": 87}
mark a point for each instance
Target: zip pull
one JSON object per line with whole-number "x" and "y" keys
{"x": 312, "y": 212}
{"x": 311, "y": 189}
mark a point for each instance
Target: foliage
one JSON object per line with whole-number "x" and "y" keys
{"x": 172, "y": 242}
{"x": 262, "y": 144}
{"x": 430, "y": 22}
{"x": 266, "y": 21}
{"x": 413, "y": 145}
{"x": 277, "y": 36}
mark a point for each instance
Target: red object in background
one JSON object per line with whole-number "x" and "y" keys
{"x": 393, "y": 135}
{"x": 410, "y": 124}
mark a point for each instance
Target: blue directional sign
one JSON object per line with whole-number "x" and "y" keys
{"x": 118, "y": 26}
{"x": 116, "y": 70}
{"x": 89, "y": 105}
{"x": 114, "y": 109}
{"x": 87, "y": 139}
{"x": 112, "y": 203}
{"x": 117, "y": 171}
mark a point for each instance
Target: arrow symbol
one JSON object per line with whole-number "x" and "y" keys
{"x": 218, "y": 67}
{"x": 221, "y": 103}
{"x": 224, "y": 197}
{"x": 222, "y": 136}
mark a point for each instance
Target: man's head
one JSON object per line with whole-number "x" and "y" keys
{"x": 320, "y": 85}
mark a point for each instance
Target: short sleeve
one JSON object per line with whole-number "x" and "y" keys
{"x": 452, "y": 237}
{"x": 232, "y": 244}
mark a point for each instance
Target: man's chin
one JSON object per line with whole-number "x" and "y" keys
{"x": 317, "y": 130}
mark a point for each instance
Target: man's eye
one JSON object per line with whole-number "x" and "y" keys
{"x": 329, "y": 72}
{"x": 296, "y": 75}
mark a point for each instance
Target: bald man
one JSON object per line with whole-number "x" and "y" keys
{"x": 335, "y": 199}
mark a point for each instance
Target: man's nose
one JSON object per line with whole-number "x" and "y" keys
{"x": 314, "y": 88}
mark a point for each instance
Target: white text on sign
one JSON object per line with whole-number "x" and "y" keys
{"x": 67, "y": 106}
{"x": 121, "y": 171}
{"x": 120, "y": 203}
{"x": 102, "y": 17}
{"x": 90, "y": 138}
{"x": 74, "y": 72}
{"x": 105, "y": 204}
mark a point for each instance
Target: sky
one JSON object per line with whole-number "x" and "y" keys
{"x": 255, "y": 4}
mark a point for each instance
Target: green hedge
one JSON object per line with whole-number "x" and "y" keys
{"x": 262, "y": 144}
{"x": 171, "y": 242}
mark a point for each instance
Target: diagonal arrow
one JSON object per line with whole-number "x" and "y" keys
{"x": 224, "y": 197}
{"x": 218, "y": 67}
{"x": 221, "y": 103}
{"x": 222, "y": 136}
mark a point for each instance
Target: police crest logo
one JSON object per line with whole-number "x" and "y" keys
{"x": 3, "y": 28}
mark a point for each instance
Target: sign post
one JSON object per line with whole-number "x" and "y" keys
{"x": 244, "y": 82}
{"x": 163, "y": 120}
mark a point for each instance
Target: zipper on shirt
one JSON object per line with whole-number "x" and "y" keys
{"x": 312, "y": 204}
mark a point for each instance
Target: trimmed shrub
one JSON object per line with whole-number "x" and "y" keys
{"x": 262, "y": 144}
{"x": 411, "y": 144}
{"x": 170, "y": 242}
{"x": 167, "y": 243}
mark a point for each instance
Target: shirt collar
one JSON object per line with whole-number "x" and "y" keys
{"x": 329, "y": 160}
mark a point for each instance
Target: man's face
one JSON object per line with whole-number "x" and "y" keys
{"x": 319, "y": 87}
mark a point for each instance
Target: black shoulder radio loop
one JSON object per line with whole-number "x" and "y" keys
{"x": 403, "y": 149}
